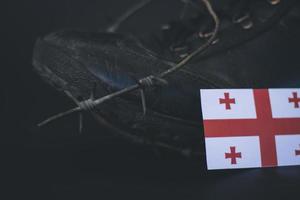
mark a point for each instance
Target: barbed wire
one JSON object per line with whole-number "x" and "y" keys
{"x": 149, "y": 81}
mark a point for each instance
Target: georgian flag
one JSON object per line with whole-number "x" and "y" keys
{"x": 247, "y": 128}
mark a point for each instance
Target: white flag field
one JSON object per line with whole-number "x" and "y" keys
{"x": 246, "y": 128}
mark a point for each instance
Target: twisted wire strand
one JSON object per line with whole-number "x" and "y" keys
{"x": 148, "y": 81}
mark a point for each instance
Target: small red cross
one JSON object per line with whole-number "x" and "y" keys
{"x": 227, "y": 101}
{"x": 295, "y": 99}
{"x": 233, "y": 155}
{"x": 297, "y": 152}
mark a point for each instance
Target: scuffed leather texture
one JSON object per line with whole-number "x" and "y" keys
{"x": 264, "y": 58}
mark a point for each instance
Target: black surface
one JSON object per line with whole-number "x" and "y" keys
{"x": 49, "y": 165}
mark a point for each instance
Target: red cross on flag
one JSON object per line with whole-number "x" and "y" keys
{"x": 247, "y": 128}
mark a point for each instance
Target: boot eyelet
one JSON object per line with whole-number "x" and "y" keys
{"x": 244, "y": 21}
{"x": 274, "y": 2}
{"x": 247, "y": 24}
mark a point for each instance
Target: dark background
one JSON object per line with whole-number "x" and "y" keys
{"x": 49, "y": 164}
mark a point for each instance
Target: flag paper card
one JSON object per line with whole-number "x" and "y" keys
{"x": 247, "y": 128}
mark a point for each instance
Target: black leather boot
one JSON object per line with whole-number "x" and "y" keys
{"x": 257, "y": 46}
